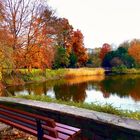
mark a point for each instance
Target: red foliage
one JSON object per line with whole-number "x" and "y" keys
{"x": 78, "y": 47}
{"x": 104, "y": 50}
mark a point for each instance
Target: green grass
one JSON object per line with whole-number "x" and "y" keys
{"x": 61, "y": 73}
{"x": 106, "y": 108}
{"x": 37, "y": 75}
{"x": 133, "y": 71}
{"x": 125, "y": 70}
{"x": 55, "y": 74}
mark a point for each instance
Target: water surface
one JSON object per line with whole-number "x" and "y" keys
{"x": 121, "y": 91}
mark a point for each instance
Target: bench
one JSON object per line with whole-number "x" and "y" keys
{"x": 40, "y": 126}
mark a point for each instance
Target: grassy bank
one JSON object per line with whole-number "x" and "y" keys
{"x": 107, "y": 108}
{"x": 36, "y": 75}
{"x": 125, "y": 70}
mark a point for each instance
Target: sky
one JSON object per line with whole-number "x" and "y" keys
{"x": 101, "y": 21}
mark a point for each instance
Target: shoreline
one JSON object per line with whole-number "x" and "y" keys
{"x": 61, "y": 75}
{"x": 36, "y": 75}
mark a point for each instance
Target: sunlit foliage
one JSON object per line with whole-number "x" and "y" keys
{"x": 104, "y": 50}
{"x": 134, "y": 50}
{"x": 33, "y": 34}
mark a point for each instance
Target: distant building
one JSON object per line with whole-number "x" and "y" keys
{"x": 89, "y": 50}
{"x": 93, "y": 51}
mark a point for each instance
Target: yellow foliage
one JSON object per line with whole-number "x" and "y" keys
{"x": 84, "y": 72}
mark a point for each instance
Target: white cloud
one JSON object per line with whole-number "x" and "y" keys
{"x": 111, "y": 21}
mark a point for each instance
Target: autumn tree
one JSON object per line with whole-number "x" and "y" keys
{"x": 72, "y": 41}
{"x": 30, "y": 39}
{"x": 104, "y": 50}
{"x": 36, "y": 31}
{"x": 18, "y": 19}
{"x": 78, "y": 48}
{"x": 64, "y": 36}
{"x": 6, "y": 59}
{"x": 61, "y": 32}
{"x": 134, "y": 50}
{"x": 59, "y": 28}
{"x": 5, "y": 42}
{"x": 5, "y": 50}
{"x": 39, "y": 53}
{"x": 64, "y": 33}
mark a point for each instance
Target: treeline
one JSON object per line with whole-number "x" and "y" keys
{"x": 126, "y": 55}
{"x": 32, "y": 36}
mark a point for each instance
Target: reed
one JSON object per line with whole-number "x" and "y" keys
{"x": 84, "y": 72}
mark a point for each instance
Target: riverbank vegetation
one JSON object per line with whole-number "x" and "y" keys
{"x": 32, "y": 36}
{"x": 23, "y": 76}
{"x": 122, "y": 69}
{"x": 121, "y": 59}
{"x": 106, "y": 108}
{"x": 35, "y": 39}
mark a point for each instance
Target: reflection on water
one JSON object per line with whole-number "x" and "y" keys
{"x": 121, "y": 91}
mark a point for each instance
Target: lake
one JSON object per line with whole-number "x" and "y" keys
{"x": 122, "y": 91}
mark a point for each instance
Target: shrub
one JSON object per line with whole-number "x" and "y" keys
{"x": 120, "y": 69}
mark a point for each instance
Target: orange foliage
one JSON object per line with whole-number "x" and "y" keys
{"x": 19, "y": 58}
{"x": 5, "y": 49}
{"x": 71, "y": 40}
{"x": 134, "y": 50}
{"x": 64, "y": 33}
{"x": 5, "y": 37}
{"x": 78, "y": 47}
{"x": 34, "y": 33}
{"x": 40, "y": 52}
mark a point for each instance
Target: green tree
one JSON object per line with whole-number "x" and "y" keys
{"x": 108, "y": 57}
{"x": 122, "y": 53}
{"x": 73, "y": 60}
{"x": 61, "y": 58}
{"x": 117, "y": 58}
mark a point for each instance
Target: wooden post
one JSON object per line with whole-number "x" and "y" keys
{"x": 39, "y": 130}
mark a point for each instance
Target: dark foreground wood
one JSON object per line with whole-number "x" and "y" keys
{"x": 42, "y": 127}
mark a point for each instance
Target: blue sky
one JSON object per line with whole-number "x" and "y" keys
{"x": 101, "y": 21}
